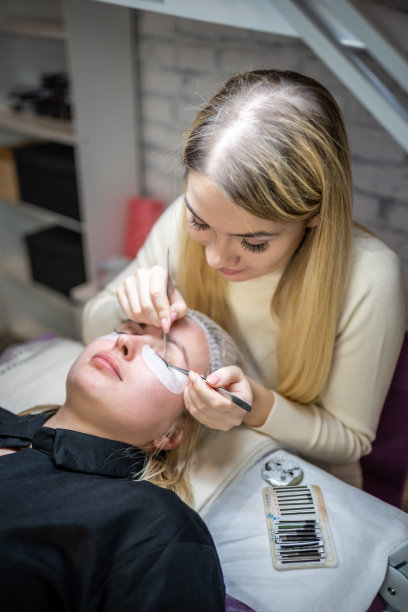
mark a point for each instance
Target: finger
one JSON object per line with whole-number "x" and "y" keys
{"x": 233, "y": 379}
{"x": 225, "y": 376}
{"x": 159, "y": 297}
{"x": 124, "y": 302}
{"x": 210, "y": 421}
{"x": 145, "y": 279}
{"x": 131, "y": 292}
{"x": 204, "y": 397}
{"x": 209, "y": 406}
{"x": 195, "y": 403}
{"x": 178, "y": 306}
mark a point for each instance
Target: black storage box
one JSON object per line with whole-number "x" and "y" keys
{"x": 56, "y": 258}
{"x": 47, "y": 178}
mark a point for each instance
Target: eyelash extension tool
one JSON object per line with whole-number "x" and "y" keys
{"x": 298, "y": 528}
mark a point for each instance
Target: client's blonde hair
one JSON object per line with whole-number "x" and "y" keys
{"x": 170, "y": 469}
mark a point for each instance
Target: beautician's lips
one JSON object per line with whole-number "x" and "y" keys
{"x": 106, "y": 360}
{"x": 228, "y": 271}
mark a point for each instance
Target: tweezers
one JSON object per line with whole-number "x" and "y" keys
{"x": 168, "y": 296}
{"x": 234, "y": 398}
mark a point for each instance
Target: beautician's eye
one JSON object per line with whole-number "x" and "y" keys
{"x": 197, "y": 225}
{"x": 254, "y": 248}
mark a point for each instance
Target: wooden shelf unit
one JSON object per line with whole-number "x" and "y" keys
{"x": 37, "y": 126}
{"x": 96, "y": 39}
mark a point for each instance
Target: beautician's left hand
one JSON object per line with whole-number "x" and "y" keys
{"x": 211, "y": 407}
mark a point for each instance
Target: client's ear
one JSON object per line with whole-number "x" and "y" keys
{"x": 172, "y": 439}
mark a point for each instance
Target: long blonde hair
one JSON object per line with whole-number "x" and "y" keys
{"x": 171, "y": 469}
{"x": 274, "y": 143}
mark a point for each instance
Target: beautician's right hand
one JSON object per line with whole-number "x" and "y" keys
{"x": 143, "y": 298}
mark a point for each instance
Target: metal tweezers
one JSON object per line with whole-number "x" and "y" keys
{"x": 234, "y": 398}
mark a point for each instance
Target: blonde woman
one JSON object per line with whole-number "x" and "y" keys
{"x": 83, "y": 526}
{"x": 267, "y": 248}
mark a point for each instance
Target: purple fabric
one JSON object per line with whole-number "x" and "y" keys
{"x": 385, "y": 469}
{"x": 378, "y": 605}
{"x": 233, "y": 605}
{"x": 4, "y": 356}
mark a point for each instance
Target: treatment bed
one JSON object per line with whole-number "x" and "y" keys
{"x": 368, "y": 538}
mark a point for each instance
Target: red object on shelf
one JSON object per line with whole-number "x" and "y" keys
{"x": 142, "y": 214}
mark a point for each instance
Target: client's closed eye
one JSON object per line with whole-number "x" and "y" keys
{"x": 112, "y": 336}
{"x": 131, "y": 327}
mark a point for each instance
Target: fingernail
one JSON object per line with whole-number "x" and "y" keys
{"x": 213, "y": 379}
{"x": 165, "y": 325}
{"x": 173, "y": 316}
{"x": 192, "y": 377}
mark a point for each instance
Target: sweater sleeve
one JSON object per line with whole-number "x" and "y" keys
{"x": 341, "y": 426}
{"x": 102, "y": 313}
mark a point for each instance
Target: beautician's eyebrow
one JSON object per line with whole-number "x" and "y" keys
{"x": 260, "y": 234}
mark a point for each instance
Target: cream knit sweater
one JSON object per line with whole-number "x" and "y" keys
{"x": 339, "y": 429}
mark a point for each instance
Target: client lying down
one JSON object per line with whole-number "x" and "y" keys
{"x": 84, "y": 525}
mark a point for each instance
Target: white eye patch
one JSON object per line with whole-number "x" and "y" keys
{"x": 174, "y": 381}
{"x": 111, "y": 336}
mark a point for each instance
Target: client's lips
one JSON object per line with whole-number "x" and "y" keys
{"x": 107, "y": 361}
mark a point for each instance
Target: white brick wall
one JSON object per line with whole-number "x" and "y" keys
{"x": 183, "y": 61}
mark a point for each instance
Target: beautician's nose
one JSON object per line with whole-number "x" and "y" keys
{"x": 220, "y": 254}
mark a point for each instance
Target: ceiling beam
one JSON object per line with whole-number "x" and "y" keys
{"x": 357, "y": 77}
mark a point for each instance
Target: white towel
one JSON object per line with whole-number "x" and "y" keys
{"x": 364, "y": 530}
{"x": 222, "y": 457}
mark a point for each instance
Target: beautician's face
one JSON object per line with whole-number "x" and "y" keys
{"x": 239, "y": 245}
{"x": 115, "y": 391}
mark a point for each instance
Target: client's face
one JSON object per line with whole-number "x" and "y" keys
{"x": 113, "y": 392}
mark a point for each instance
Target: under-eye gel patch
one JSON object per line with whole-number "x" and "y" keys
{"x": 174, "y": 381}
{"x": 111, "y": 336}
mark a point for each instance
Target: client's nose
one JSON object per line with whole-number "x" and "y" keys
{"x": 126, "y": 343}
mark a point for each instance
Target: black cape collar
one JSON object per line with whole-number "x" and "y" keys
{"x": 81, "y": 452}
{"x": 72, "y": 450}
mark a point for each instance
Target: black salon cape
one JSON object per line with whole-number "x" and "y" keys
{"x": 76, "y": 534}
